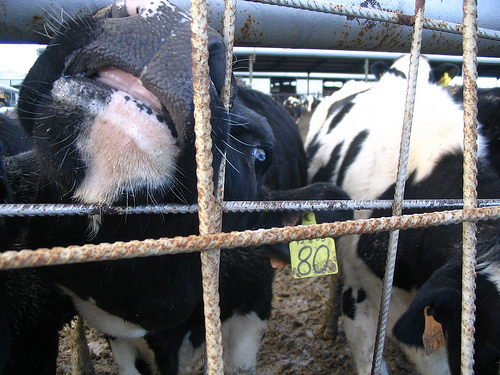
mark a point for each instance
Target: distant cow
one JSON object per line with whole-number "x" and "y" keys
{"x": 311, "y": 102}
{"x": 109, "y": 106}
{"x": 294, "y": 107}
{"x": 354, "y": 142}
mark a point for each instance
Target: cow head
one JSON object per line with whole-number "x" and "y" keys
{"x": 442, "y": 293}
{"x": 109, "y": 105}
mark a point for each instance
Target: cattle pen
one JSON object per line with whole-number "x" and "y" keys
{"x": 210, "y": 205}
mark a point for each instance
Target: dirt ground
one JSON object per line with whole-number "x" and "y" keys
{"x": 295, "y": 342}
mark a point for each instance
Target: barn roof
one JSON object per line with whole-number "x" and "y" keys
{"x": 334, "y": 63}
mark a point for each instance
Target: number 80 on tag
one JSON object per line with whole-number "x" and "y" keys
{"x": 315, "y": 257}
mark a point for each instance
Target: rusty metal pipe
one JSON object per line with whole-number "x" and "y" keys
{"x": 262, "y": 25}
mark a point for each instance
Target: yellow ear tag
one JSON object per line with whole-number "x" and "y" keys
{"x": 314, "y": 257}
{"x": 433, "y": 337}
{"x": 445, "y": 80}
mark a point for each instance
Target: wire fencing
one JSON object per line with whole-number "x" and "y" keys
{"x": 210, "y": 204}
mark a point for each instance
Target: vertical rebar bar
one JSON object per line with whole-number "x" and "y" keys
{"x": 470, "y": 185}
{"x": 229, "y": 22}
{"x": 210, "y": 260}
{"x": 400, "y": 185}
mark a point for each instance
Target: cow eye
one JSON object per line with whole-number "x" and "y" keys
{"x": 262, "y": 158}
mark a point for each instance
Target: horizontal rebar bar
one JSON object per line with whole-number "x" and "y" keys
{"x": 16, "y": 210}
{"x": 163, "y": 246}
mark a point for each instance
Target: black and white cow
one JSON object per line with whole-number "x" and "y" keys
{"x": 294, "y": 107}
{"x": 311, "y": 102}
{"x": 354, "y": 142}
{"x": 443, "y": 290}
{"x": 109, "y": 108}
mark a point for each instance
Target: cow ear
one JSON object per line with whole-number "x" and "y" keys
{"x": 444, "y": 306}
{"x": 444, "y": 73}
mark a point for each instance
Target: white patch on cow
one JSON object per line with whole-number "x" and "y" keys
{"x": 190, "y": 358}
{"x": 108, "y": 324}
{"x": 125, "y": 149}
{"x": 126, "y": 351}
{"x": 155, "y": 7}
{"x": 126, "y": 339}
{"x": 435, "y": 364}
{"x": 125, "y": 354}
{"x": 492, "y": 272}
{"x": 319, "y": 116}
{"x": 241, "y": 337}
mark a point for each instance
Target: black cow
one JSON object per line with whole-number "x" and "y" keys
{"x": 31, "y": 309}
{"x": 109, "y": 107}
{"x": 355, "y": 144}
{"x": 443, "y": 293}
{"x": 13, "y": 140}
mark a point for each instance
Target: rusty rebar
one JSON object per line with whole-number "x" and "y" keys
{"x": 404, "y": 153}
{"x": 177, "y": 245}
{"x": 228, "y": 30}
{"x": 470, "y": 185}
{"x": 210, "y": 260}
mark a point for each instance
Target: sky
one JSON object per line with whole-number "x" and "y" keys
{"x": 18, "y": 57}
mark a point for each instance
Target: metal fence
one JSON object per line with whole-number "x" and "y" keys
{"x": 210, "y": 203}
